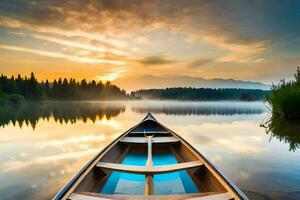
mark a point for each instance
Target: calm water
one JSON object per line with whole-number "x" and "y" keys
{"x": 43, "y": 145}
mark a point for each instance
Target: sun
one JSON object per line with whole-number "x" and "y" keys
{"x": 113, "y": 75}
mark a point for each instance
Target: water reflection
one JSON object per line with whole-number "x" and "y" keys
{"x": 284, "y": 131}
{"x": 62, "y": 112}
{"x": 70, "y": 112}
{"x": 36, "y": 163}
{"x": 202, "y": 108}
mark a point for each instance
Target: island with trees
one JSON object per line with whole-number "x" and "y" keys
{"x": 202, "y": 94}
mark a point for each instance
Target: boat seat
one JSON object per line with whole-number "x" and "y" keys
{"x": 149, "y": 169}
{"x": 196, "y": 196}
{"x": 139, "y": 140}
{"x": 150, "y": 132}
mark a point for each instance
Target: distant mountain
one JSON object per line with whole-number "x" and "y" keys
{"x": 148, "y": 81}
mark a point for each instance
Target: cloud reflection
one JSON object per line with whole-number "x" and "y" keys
{"x": 240, "y": 145}
{"x": 73, "y": 140}
{"x": 44, "y": 160}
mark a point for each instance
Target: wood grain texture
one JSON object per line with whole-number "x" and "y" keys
{"x": 149, "y": 169}
{"x": 142, "y": 140}
{"x": 197, "y": 196}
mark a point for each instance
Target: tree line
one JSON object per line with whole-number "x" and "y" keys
{"x": 202, "y": 94}
{"x": 14, "y": 89}
{"x": 61, "y": 89}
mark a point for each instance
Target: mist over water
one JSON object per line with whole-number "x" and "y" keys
{"x": 43, "y": 145}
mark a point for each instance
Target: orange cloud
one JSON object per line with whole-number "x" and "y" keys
{"x": 59, "y": 55}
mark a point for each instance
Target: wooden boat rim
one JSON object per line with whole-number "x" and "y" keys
{"x": 212, "y": 166}
{"x": 68, "y": 189}
{"x": 64, "y": 191}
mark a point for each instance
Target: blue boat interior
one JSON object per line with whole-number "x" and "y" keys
{"x": 168, "y": 183}
{"x": 150, "y": 160}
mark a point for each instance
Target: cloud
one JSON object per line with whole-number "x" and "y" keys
{"x": 238, "y": 34}
{"x": 199, "y": 62}
{"x": 156, "y": 60}
{"x": 17, "y": 33}
{"x": 143, "y": 40}
{"x": 71, "y": 33}
{"x": 112, "y": 75}
{"x": 76, "y": 44}
{"x": 116, "y": 16}
{"x": 242, "y": 53}
{"x": 207, "y": 21}
{"x": 59, "y": 55}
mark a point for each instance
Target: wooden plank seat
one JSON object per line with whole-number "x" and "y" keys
{"x": 149, "y": 132}
{"x": 141, "y": 140}
{"x": 89, "y": 182}
{"x": 149, "y": 169}
{"x": 196, "y": 196}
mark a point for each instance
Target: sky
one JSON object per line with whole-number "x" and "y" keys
{"x": 126, "y": 40}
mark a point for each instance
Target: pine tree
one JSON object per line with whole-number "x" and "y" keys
{"x": 297, "y": 75}
{"x": 47, "y": 88}
{"x": 31, "y": 89}
{"x": 55, "y": 89}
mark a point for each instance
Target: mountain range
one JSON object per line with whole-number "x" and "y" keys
{"x": 148, "y": 81}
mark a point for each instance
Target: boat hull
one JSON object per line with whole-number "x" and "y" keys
{"x": 150, "y": 139}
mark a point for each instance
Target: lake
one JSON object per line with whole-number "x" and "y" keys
{"x": 43, "y": 145}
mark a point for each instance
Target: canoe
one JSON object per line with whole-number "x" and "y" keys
{"x": 149, "y": 161}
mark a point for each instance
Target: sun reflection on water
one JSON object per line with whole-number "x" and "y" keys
{"x": 40, "y": 161}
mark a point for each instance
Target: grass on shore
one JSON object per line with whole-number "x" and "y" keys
{"x": 285, "y": 98}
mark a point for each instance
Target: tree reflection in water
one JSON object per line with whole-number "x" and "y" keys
{"x": 210, "y": 109}
{"x": 62, "y": 112}
{"x": 284, "y": 131}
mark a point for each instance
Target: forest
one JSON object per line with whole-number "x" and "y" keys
{"x": 202, "y": 94}
{"x": 17, "y": 89}
{"x": 14, "y": 90}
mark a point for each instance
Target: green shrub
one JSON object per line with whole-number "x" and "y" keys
{"x": 285, "y": 99}
{"x": 3, "y": 95}
{"x": 3, "y": 98}
{"x": 15, "y": 98}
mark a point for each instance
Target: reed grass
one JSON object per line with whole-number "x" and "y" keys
{"x": 285, "y": 98}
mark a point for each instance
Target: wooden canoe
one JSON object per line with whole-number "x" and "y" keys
{"x": 149, "y": 161}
